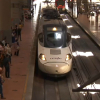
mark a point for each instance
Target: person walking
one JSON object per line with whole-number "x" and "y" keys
{"x": 1, "y": 84}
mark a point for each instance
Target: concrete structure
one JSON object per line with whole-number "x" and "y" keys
{"x": 16, "y": 11}
{"x": 11, "y": 12}
{"x": 5, "y": 20}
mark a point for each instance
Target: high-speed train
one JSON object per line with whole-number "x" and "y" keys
{"x": 54, "y": 48}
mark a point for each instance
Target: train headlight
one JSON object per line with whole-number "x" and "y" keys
{"x": 54, "y": 29}
{"x": 68, "y": 57}
{"x": 42, "y": 57}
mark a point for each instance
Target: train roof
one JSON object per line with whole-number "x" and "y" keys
{"x": 48, "y": 9}
{"x": 50, "y": 13}
{"x": 53, "y": 22}
{"x": 49, "y": 23}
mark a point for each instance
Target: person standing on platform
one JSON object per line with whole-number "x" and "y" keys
{"x": 8, "y": 51}
{"x": 16, "y": 30}
{"x": 1, "y": 84}
{"x": 7, "y": 66}
{"x": 17, "y": 48}
{"x": 4, "y": 41}
{"x": 32, "y": 11}
{"x": 13, "y": 40}
{"x": 13, "y": 36}
{"x": 35, "y": 6}
{"x": 19, "y": 31}
{"x": 2, "y": 58}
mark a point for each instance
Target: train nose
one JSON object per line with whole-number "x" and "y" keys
{"x": 59, "y": 68}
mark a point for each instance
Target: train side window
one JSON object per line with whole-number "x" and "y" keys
{"x": 40, "y": 36}
{"x": 68, "y": 37}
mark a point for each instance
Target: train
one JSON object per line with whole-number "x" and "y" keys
{"x": 60, "y": 5}
{"x": 54, "y": 50}
{"x": 50, "y": 13}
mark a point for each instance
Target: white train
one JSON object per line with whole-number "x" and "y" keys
{"x": 54, "y": 47}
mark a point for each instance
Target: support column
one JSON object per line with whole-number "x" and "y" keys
{"x": 25, "y": 6}
{"x": 85, "y": 5}
{"x": 5, "y": 20}
{"x": 15, "y": 11}
{"x": 29, "y": 4}
{"x": 21, "y": 8}
{"x": 25, "y": 2}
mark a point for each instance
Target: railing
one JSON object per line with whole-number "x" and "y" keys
{"x": 88, "y": 83}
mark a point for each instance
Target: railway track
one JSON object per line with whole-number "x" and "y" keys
{"x": 87, "y": 66}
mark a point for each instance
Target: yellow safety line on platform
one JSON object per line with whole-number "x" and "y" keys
{"x": 25, "y": 86}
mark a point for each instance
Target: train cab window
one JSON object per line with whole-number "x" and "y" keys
{"x": 54, "y": 39}
{"x": 40, "y": 36}
{"x": 68, "y": 37}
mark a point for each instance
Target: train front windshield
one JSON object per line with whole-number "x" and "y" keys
{"x": 54, "y": 39}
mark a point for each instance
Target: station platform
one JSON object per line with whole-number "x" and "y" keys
{"x": 13, "y": 88}
{"x": 91, "y": 25}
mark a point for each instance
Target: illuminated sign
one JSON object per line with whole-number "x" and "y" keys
{"x": 54, "y": 29}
